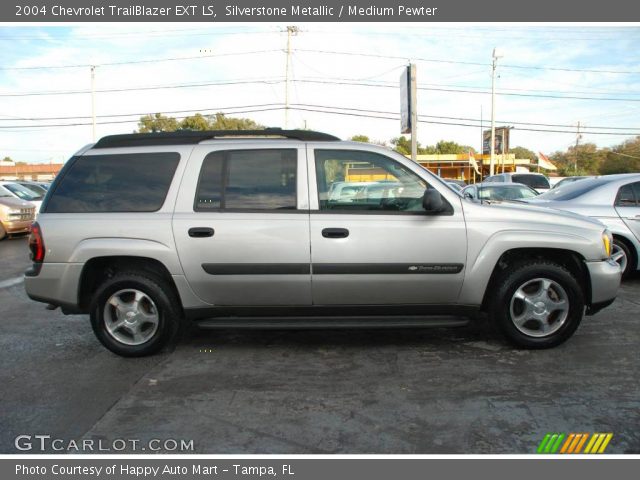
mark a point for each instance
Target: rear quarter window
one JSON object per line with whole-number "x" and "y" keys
{"x": 136, "y": 182}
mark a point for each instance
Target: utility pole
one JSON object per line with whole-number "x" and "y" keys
{"x": 291, "y": 30}
{"x": 575, "y": 152}
{"x": 93, "y": 102}
{"x": 494, "y": 64}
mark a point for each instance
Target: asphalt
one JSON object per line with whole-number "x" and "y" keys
{"x": 457, "y": 390}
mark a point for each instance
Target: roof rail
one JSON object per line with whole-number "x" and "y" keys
{"x": 190, "y": 137}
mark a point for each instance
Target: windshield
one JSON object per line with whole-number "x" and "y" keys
{"x": 23, "y": 192}
{"x": 4, "y": 192}
{"x": 574, "y": 189}
{"x": 35, "y": 188}
{"x": 530, "y": 180}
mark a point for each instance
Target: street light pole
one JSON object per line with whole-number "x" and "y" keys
{"x": 494, "y": 64}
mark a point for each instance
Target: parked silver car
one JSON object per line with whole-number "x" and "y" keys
{"x": 537, "y": 181}
{"x": 498, "y": 192}
{"x": 146, "y": 231}
{"x": 612, "y": 199}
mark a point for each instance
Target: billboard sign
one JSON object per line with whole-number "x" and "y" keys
{"x": 501, "y": 144}
{"x": 405, "y": 100}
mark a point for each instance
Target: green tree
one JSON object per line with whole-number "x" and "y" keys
{"x": 7, "y": 159}
{"x": 221, "y": 122}
{"x": 623, "y": 158}
{"x": 522, "y": 152}
{"x": 445, "y": 147}
{"x": 196, "y": 122}
{"x": 161, "y": 123}
{"x": 157, "y": 123}
{"x": 360, "y": 138}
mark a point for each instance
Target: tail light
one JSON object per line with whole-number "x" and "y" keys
{"x": 36, "y": 243}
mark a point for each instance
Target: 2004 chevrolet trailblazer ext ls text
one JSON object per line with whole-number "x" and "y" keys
{"x": 146, "y": 231}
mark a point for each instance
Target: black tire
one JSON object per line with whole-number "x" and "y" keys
{"x": 631, "y": 261}
{"x": 518, "y": 275}
{"x": 167, "y": 308}
{"x": 3, "y": 232}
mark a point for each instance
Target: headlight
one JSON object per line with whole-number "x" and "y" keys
{"x": 607, "y": 240}
{"x": 15, "y": 211}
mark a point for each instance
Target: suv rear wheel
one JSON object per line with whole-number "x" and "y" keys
{"x": 537, "y": 304}
{"x": 135, "y": 314}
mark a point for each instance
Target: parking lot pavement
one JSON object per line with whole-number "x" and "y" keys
{"x": 344, "y": 391}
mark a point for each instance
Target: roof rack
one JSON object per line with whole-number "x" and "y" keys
{"x": 191, "y": 137}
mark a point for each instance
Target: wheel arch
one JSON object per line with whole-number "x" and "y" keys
{"x": 569, "y": 259}
{"x": 96, "y": 269}
{"x": 631, "y": 246}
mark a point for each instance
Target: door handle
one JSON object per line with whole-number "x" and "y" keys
{"x": 335, "y": 232}
{"x": 201, "y": 232}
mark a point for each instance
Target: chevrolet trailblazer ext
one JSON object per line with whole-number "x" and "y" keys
{"x": 231, "y": 229}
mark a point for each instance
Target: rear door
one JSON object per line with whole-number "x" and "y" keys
{"x": 241, "y": 224}
{"x": 380, "y": 247}
{"x": 628, "y": 206}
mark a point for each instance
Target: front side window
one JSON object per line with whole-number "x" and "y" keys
{"x": 136, "y": 182}
{"x": 248, "y": 180}
{"x": 350, "y": 180}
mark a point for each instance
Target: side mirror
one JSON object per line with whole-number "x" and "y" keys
{"x": 468, "y": 195}
{"x": 432, "y": 201}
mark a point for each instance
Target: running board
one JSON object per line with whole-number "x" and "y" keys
{"x": 324, "y": 322}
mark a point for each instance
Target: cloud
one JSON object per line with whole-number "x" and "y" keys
{"x": 577, "y": 48}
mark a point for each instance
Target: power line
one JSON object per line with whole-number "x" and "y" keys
{"x": 137, "y": 62}
{"x": 370, "y": 111}
{"x": 276, "y": 80}
{"x": 331, "y": 111}
{"x": 459, "y": 62}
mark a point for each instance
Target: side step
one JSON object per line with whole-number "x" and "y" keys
{"x": 323, "y": 322}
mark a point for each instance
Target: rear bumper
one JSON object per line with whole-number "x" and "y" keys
{"x": 605, "y": 281}
{"x": 54, "y": 283}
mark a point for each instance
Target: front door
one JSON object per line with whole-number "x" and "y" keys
{"x": 628, "y": 206}
{"x": 371, "y": 240}
{"x": 241, "y": 226}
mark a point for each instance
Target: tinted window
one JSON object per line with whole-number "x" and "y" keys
{"x": 533, "y": 181}
{"x": 626, "y": 196}
{"x": 374, "y": 182}
{"x": 114, "y": 183}
{"x": 248, "y": 180}
{"x": 575, "y": 189}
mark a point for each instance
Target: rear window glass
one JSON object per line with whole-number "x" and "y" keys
{"x": 114, "y": 183}
{"x": 575, "y": 189}
{"x": 533, "y": 181}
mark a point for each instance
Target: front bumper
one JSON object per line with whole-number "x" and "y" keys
{"x": 605, "y": 281}
{"x": 17, "y": 226}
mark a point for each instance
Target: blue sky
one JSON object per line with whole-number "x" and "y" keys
{"x": 348, "y": 68}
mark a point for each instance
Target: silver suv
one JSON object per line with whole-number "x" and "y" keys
{"x": 145, "y": 232}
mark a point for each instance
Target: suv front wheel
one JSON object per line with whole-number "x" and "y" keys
{"x": 135, "y": 314}
{"x": 537, "y": 304}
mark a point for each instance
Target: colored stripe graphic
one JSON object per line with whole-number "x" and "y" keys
{"x": 573, "y": 443}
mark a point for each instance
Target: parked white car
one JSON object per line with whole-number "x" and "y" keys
{"x": 21, "y": 192}
{"x": 612, "y": 199}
